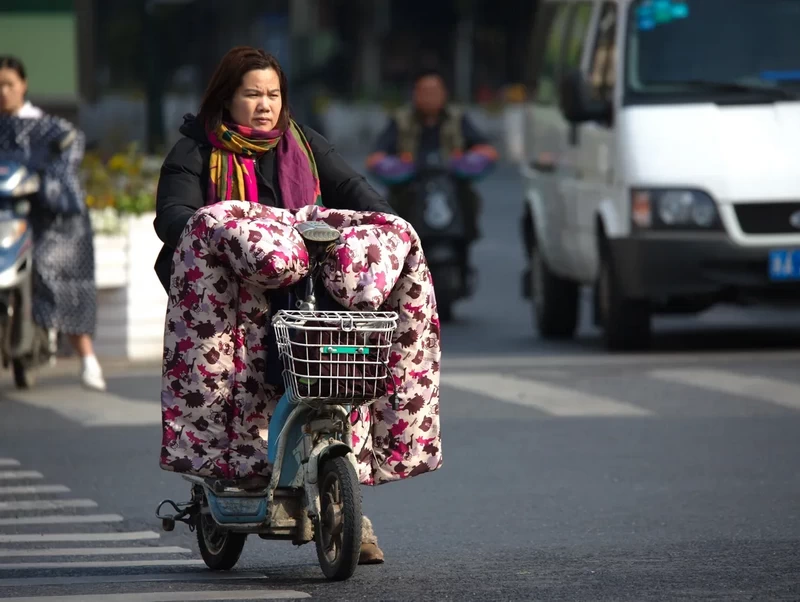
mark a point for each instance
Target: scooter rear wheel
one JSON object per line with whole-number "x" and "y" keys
{"x": 219, "y": 548}
{"x": 24, "y": 376}
{"x": 338, "y": 532}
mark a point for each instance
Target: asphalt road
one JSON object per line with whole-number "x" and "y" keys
{"x": 569, "y": 473}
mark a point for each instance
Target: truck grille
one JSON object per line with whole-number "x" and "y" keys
{"x": 767, "y": 218}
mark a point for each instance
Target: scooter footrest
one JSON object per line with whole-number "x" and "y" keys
{"x": 237, "y": 510}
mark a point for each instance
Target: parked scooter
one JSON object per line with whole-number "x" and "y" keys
{"x": 24, "y": 345}
{"x": 439, "y": 218}
{"x": 332, "y": 361}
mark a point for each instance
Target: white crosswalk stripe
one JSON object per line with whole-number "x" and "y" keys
{"x": 96, "y": 564}
{"x": 102, "y": 556}
{"x": 550, "y": 399}
{"x": 195, "y": 596}
{"x": 769, "y": 390}
{"x": 532, "y": 389}
{"x": 105, "y": 556}
{"x": 33, "y": 489}
{"x": 18, "y": 475}
{"x": 640, "y": 360}
{"x": 69, "y": 558}
{"x": 54, "y": 537}
{"x": 61, "y": 519}
{"x": 131, "y": 551}
{"x": 45, "y": 505}
{"x": 109, "y": 578}
{"x": 92, "y": 409}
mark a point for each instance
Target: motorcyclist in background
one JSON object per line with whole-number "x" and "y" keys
{"x": 430, "y": 124}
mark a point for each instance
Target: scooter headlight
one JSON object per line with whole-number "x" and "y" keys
{"x": 23, "y": 184}
{"x": 11, "y": 231}
{"x": 27, "y": 187}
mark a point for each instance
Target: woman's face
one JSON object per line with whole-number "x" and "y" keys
{"x": 12, "y": 91}
{"x": 257, "y": 102}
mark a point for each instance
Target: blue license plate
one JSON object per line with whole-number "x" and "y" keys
{"x": 784, "y": 265}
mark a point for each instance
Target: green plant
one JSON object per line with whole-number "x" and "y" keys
{"x": 120, "y": 185}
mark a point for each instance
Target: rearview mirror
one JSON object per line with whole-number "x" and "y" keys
{"x": 577, "y": 103}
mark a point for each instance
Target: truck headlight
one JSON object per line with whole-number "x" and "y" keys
{"x": 674, "y": 209}
{"x": 11, "y": 231}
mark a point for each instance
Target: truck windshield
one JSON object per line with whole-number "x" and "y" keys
{"x": 712, "y": 50}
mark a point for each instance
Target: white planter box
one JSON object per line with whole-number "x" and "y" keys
{"x": 131, "y": 304}
{"x": 110, "y": 260}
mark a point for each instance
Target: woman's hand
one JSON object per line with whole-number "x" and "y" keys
{"x": 472, "y": 165}
{"x": 393, "y": 169}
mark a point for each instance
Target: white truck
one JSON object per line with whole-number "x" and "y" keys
{"x": 662, "y": 160}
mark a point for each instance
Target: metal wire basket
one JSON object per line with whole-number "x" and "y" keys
{"x": 335, "y": 356}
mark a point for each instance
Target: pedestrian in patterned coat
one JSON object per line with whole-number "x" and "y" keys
{"x": 64, "y": 292}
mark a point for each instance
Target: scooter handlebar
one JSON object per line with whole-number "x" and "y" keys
{"x": 392, "y": 169}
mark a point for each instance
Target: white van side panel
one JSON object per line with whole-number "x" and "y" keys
{"x": 598, "y": 189}
{"x": 544, "y": 190}
{"x": 598, "y": 195}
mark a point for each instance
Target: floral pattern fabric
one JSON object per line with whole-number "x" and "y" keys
{"x": 216, "y": 400}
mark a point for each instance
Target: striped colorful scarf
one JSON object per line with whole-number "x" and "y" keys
{"x": 235, "y": 151}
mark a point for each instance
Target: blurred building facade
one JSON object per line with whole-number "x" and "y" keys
{"x": 158, "y": 54}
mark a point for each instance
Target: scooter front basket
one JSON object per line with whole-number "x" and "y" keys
{"x": 335, "y": 356}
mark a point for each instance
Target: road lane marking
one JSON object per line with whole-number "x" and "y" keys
{"x": 199, "y": 596}
{"x": 65, "y": 519}
{"x": 513, "y": 362}
{"x": 195, "y": 576}
{"x": 33, "y": 489}
{"x": 45, "y": 505}
{"x": 133, "y": 551}
{"x": 95, "y": 564}
{"x": 54, "y": 537}
{"x": 93, "y": 409}
{"x": 550, "y": 399}
{"x": 770, "y": 390}
{"x": 10, "y": 475}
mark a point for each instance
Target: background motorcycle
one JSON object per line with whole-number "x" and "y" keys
{"x": 439, "y": 218}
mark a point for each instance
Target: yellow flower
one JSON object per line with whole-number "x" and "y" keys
{"x": 123, "y": 183}
{"x": 91, "y": 161}
{"x": 118, "y": 162}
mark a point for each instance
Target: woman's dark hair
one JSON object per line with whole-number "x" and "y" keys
{"x": 12, "y": 62}
{"x": 228, "y": 77}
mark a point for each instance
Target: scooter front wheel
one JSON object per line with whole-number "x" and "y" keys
{"x": 219, "y": 548}
{"x": 338, "y": 532}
